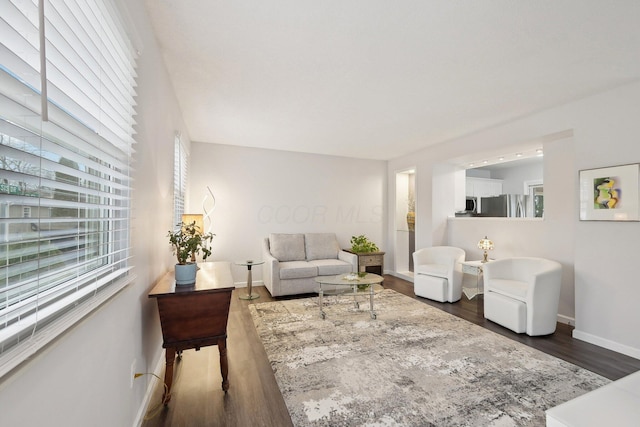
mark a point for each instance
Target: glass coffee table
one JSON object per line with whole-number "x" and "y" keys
{"x": 350, "y": 284}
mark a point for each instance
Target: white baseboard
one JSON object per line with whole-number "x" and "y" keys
{"x": 608, "y": 344}
{"x": 146, "y": 401}
{"x": 571, "y": 321}
{"x": 401, "y": 276}
{"x": 244, "y": 284}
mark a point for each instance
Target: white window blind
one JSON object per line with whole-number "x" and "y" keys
{"x": 180, "y": 166}
{"x": 72, "y": 172}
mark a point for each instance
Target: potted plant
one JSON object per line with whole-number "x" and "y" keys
{"x": 187, "y": 242}
{"x": 361, "y": 244}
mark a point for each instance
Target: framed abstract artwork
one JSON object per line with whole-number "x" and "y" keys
{"x": 610, "y": 194}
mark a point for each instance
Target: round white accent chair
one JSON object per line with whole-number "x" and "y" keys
{"x": 438, "y": 273}
{"x": 522, "y": 294}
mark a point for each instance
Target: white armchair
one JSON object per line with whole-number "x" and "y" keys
{"x": 522, "y": 294}
{"x": 438, "y": 273}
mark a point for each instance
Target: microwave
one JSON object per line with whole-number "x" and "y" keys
{"x": 471, "y": 205}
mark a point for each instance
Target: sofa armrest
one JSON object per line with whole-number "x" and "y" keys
{"x": 270, "y": 270}
{"x": 350, "y": 258}
{"x": 421, "y": 256}
{"x": 543, "y": 298}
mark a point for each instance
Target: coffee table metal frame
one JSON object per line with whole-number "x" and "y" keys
{"x": 369, "y": 279}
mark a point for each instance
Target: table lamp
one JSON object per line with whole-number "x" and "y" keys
{"x": 486, "y": 245}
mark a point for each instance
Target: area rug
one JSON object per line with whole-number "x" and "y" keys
{"x": 414, "y": 365}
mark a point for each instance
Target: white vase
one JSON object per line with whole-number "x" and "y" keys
{"x": 186, "y": 274}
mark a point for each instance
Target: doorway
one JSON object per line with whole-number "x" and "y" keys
{"x": 405, "y": 222}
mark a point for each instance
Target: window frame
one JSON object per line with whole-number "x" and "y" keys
{"x": 96, "y": 136}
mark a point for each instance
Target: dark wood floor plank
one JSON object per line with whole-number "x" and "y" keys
{"x": 255, "y": 399}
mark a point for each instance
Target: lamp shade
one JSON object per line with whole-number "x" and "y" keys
{"x": 197, "y": 218}
{"x": 485, "y": 244}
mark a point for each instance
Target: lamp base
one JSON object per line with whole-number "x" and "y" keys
{"x": 486, "y": 257}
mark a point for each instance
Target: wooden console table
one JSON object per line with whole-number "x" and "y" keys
{"x": 195, "y": 316}
{"x": 372, "y": 262}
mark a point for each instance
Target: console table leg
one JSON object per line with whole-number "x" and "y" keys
{"x": 170, "y": 356}
{"x": 224, "y": 364}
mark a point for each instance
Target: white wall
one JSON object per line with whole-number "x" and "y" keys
{"x": 83, "y": 378}
{"x": 262, "y": 191}
{"x": 600, "y": 255}
{"x": 607, "y": 288}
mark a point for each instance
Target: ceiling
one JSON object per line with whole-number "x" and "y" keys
{"x": 379, "y": 79}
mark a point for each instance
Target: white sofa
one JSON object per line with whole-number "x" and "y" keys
{"x": 616, "y": 404}
{"x": 293, "y": 261}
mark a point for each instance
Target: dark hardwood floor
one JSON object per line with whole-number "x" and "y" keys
{"x": 254, "y": 398}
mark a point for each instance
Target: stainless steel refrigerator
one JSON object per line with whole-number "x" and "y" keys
{"x": 506, "y": 205}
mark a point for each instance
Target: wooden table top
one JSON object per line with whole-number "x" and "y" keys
{"x": 211, "y": 277}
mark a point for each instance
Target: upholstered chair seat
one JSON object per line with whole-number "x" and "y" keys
{"x": 522, "y": 294}
{"x": 438, "y": 273}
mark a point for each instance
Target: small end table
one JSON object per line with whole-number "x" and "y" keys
{"x": 249, "y": 295}
{"x": 369, "y": 259}
{"x": 473, "y": 268}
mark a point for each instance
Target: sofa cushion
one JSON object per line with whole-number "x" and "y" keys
{"x": 321, "y": 246}
{"x": 297, "y": 270}
{"x": 331, "y": 267}
{"x": 438, "y": 270}
{"x": 511, "y": 288}
{"x": 287, "y": 247}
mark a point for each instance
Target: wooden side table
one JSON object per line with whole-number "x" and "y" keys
{"x": 195, "y": 316}
{"x": 371, "y": 262}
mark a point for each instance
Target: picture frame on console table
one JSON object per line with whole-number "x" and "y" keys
{"x": 610, "y": 193}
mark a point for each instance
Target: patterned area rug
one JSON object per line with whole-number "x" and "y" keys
{"x": 414, "y": 365}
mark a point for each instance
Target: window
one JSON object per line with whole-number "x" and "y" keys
{"x": 66, "y": 140}
{"x": 535, "y": 190}
{"x": 180, "y": 166}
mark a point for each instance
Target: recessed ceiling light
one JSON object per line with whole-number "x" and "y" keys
{"x": 470, "y": 164}
{"x": 485, "y": 161}
{"x": 539, "y": 151}
{"x": 501, "y": 158}
{"x": 518, "y": 154}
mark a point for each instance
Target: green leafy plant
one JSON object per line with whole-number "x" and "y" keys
{"x": 361, "y": 244}
{"x": 188, "y": 241}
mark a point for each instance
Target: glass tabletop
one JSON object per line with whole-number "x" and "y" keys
{"x": 350, "y": 279}
{"x": 249, "y": 262}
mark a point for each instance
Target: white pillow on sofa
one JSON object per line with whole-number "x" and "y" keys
{"x": 287, "y": 247}
{"x": 321, "y": 246}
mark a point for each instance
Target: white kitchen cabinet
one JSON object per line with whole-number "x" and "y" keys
{"x": 483, "y": 187}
